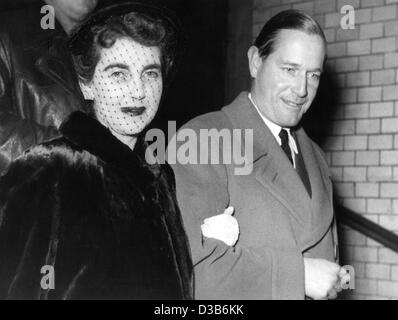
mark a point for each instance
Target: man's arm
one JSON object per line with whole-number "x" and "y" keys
{"x": 221, "y": 271}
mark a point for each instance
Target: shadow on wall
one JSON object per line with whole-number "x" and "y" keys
{"x": 318, "y": 122}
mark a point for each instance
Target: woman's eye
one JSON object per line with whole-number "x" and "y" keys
{"x": 152, "y": 74}
{"x": 119, "y": 75}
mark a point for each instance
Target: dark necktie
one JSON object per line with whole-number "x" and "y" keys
{"x": 300, "y": 166}
{"x": 285, "y": 144}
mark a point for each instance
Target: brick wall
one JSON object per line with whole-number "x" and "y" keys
{"x": 362, "y": 145}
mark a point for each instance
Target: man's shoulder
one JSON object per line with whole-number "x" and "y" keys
{"x": 313, "y": 143}
{"x": 211, "y": 120}
{"x": 219, "y": 119}
{"x": 317, "y": 150}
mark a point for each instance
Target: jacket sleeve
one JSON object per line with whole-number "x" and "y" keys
{"x": 221, "y": 271}
{"x": 16, "y": 132}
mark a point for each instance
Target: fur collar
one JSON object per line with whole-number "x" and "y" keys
{"x": 89, "y": 134}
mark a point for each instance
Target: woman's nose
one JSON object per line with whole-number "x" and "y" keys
{"x": 137, "y": 90}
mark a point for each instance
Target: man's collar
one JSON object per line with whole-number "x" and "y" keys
{"x": 243, "y": 116}
{"x": 274, "y": 128}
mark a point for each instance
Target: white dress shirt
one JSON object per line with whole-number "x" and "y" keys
{"x": 275, "y": 130}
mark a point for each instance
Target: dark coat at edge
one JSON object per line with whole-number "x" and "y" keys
{"x": 105, "y": 219}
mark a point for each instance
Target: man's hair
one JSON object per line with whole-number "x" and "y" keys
{"x": 285, "y": 20}
{"x": 143, "y": 28}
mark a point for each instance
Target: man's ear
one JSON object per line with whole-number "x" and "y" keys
{"x": 255, "y": 60}
{"x": 86, "y": 89}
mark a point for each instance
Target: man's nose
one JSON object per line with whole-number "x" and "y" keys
{"x": 300, "y": 86}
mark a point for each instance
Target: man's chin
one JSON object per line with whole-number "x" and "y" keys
{"x": 290, "y": 122}
{"x": 291, "y": 119}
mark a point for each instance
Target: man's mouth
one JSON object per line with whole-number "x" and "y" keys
{"x": 135, "y": 111}
{"x": 294, "y": 104}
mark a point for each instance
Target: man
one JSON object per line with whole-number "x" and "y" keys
{"x": 38, "y": 87}
{"x": 287, "y": 244}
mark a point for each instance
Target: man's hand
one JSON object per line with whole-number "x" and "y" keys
{"x": 322, "y": 278}
{"x": 223, "y": 227}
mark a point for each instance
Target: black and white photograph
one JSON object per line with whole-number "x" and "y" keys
{"x": 216, "y": 151}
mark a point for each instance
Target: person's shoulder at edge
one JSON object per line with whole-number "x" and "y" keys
{"x": 216, "y": 119}
{"x": 54, "y": 154}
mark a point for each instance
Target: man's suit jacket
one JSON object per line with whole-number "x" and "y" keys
{"x": 279, "y": 222}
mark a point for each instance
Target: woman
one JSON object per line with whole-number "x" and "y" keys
{"x": 86, "y": 206}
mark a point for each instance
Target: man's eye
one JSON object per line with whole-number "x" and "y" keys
{"x": 315, "y": 76}
{"x": 289, "y": 70}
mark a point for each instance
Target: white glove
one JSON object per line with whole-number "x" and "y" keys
{"x": 321, "y": 277}
{"x": 223, "y": 227}
{"x": 345, "y": 279}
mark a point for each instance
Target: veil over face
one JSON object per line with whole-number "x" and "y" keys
{"x": 126, "y": 87}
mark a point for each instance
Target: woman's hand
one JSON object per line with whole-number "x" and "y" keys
{"x": 223, "y": 227}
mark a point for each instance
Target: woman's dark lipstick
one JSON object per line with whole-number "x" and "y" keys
{"x": 135, "y": 111}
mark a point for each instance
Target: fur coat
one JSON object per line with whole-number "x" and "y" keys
{"x": 104, "y": 219}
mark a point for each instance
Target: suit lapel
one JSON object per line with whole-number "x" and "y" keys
{"x": 270, "y": 165}
{"x": 321, "y": 204}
